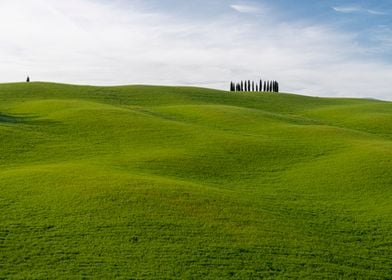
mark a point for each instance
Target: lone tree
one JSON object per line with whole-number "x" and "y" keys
{"x": 28, "y": 79}
{"x": 275, "y": 86}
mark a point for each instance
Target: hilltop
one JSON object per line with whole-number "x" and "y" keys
{"x": 180, "y": 182}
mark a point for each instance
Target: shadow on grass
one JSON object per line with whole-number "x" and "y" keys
{"x": 21, "y": 119}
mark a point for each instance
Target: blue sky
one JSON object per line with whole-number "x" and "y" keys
{"x": 320, "y": 48}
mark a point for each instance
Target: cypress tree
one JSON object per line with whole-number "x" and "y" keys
{"x": 277, "y": 87}
{"x": 242, "y": 86}
{"x": 245, "y": 86}
{"x": 261, "y": 85}
{"x": 257, "y": 87}
{"x": 253, "y": 85}
{"x": 248, "y": 85}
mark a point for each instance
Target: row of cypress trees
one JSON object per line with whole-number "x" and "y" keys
{"x": 264, "y": 86}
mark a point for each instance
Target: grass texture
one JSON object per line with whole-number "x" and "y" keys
{"x": 141, "y": 182}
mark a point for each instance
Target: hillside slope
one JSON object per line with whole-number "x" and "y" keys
{"x": 171, "y": 182}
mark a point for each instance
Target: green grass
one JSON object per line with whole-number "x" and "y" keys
{"x": 170, "y": 182}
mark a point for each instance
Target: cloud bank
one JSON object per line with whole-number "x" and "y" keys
{"x": 120, "y": 42}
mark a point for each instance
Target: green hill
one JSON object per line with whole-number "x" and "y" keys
{"x": 172, "y": 182}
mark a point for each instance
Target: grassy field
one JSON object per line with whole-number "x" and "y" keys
{"x": 170, "y": 182}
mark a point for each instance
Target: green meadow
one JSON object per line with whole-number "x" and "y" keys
{"x": 141, "y": 182}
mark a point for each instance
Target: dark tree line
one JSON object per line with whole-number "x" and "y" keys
{"x": 261, "y": 86}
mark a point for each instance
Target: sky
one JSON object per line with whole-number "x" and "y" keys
{"x": 333, "y": 48}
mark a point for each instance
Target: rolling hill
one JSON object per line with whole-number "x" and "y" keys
{"x": 174, "y": 182}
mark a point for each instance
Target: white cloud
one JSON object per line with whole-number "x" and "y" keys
{"x": 85, "y": 41}
{"x": 246, "y": 9}
{"x": 347, "y": 10}
{"x": 357, "y": 9}
{"x": 377, "y": 13}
